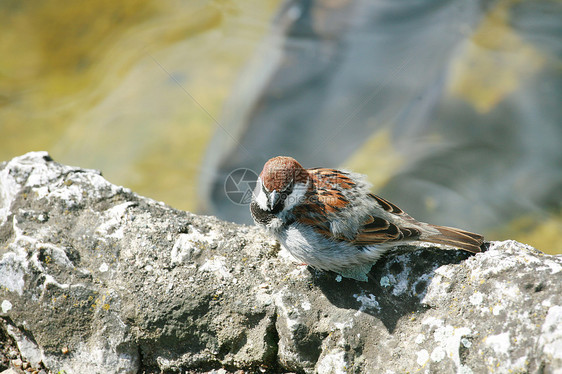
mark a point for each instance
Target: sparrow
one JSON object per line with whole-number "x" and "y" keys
{"x": 330, "y": 220}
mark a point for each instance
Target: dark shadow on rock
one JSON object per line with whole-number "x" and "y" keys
{"x": 397, "y": 284}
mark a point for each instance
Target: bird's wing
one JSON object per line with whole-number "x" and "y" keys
{"x": 378, "y": 230}
{"x": 386, "y": 225}
{"x": 330, "y": 185}
{"x": 396, "y": 227}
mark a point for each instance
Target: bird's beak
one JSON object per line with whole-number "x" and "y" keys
{"x": 273, "y": 199}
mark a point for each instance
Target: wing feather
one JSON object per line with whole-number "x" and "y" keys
{"x": 389, "y": 224}
{"x": 379, "y": 230}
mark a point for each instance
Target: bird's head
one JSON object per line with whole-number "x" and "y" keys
{"x": 282, "y": 184}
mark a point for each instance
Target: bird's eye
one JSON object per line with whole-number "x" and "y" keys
{"x": 287, "y": 190}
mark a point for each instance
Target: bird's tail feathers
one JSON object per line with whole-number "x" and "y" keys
{"x": 457, "y": 238}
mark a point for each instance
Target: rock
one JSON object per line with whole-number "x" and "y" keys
{"x": 97, "y": 279}
{"x": 9, "y": 371}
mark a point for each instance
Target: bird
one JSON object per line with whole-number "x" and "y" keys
{"x": 330, "y": 220}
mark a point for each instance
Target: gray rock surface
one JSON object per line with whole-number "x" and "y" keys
{"x": 96, "y": 279}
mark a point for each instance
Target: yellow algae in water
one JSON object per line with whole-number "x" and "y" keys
{"x": 494, "y": 62}
{"x": 96, "y": 84}
{"x": 48, "y": 49}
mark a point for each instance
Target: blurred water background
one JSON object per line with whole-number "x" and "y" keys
{"x": 453, "y": 108}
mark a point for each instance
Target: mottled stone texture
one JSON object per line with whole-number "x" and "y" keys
{"x": 96, "y": 279}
